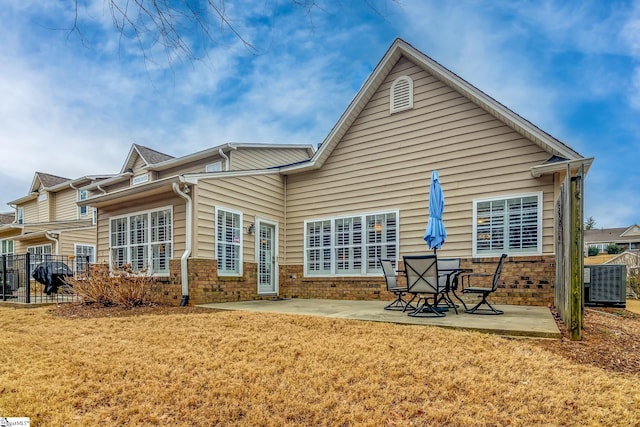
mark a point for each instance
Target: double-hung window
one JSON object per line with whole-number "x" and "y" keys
{"x": 143, "y": 240}
{"x": 37, "y": 255}
{"x": 82, "y": 195}
{"x": 84, "y": 255}
{"x": 350, "y": 245}
{"x": 6, "y": 247}
{"x": 229, "y": 242}
{"x": 511, "y": 225}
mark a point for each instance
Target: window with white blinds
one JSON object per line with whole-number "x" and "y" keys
{"x": 143, "y": 240}
{"x": 511, "y": 225}
{"x": 84, "y": 255}
{"x": 350, "y": 245}
{"x": 229, "y": 242}
{"x": 401, "y": 94}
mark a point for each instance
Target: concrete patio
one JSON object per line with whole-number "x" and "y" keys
{"x": 519, "y": 321}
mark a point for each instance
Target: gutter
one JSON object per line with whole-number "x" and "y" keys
{"x": 188, "y": 241}
{"x": 53, "y": 238}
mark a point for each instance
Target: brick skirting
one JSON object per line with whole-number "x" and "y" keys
{"x": 524, "y": 281}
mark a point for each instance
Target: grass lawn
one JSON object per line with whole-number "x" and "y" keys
{"x": 256, "y": 369}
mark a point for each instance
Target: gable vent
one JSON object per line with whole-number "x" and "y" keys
{"x": 401, "y": 94}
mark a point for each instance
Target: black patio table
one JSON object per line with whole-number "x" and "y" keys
{"x": 451, "y": 285}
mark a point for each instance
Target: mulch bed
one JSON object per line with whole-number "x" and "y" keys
{"x": 610, "y": 341}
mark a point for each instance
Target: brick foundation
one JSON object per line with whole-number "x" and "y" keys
{"x": 524, "y": 281}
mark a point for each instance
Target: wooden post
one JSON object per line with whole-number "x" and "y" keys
{"x": 577, "y": 258}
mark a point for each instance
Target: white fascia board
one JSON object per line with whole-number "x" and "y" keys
{"x": 195, "y": 177}
{"x": 215, "y": 150}
{"x": 138, "y": 189}
{"x": 550, "y": 168}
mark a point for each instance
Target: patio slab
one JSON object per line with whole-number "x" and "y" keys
{"x": 517, "y": 320}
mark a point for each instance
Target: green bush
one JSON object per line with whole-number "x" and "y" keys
{"x": 614, "y": 249}
{"x": 121, "y": 287}
{"x": 593, "y": 251}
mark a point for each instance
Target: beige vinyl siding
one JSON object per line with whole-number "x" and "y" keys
{"x": 138, "y": 165}
{"x": 115, "y": 187}
{"x": 255, "y": 196}
{"x": 64, "y": 207}
{"x": 151, "y": 203}
{"x": 31, "y": 211}
{"x": 258, "y": 158}
{"x": 44, "y": 206}
{"x": 84, "y": 236}
{"x": 384, "y": 162}
{"x": 191, "y": 167}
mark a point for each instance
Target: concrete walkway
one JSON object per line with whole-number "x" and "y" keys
{"x": 520, "y": 321}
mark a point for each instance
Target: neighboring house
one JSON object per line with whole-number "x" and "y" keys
{"x": 47, "y": 221}
{"x": 314, "y": 228}
{"x": 627, "y": 238}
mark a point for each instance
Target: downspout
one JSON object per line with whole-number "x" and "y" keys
{"x": 51, "y": 237}
{"x": 285, "y": 219}
{"x": 226, "y": 159}
{"x": 101, "y": 189}
{"x": 188, "y": 242}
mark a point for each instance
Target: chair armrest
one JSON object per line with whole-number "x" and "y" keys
{"x": 468, "y": 277}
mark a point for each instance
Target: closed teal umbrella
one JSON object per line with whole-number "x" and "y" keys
{"x": 435, "y": 234}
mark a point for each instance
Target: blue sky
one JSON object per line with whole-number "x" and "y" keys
{"x": 72, "y": 106}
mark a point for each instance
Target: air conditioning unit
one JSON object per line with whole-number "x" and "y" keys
{"x": 605, "y": 285}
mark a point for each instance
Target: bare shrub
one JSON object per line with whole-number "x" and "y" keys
{"x": 120, "y": 287}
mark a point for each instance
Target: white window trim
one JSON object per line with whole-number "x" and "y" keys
{"x": 32, "y": 262}
{"x": 474, "y": 219}
{"x": 140, "y": 179}
{"x": 363, "y": 215}
{"x": 75, "y": 254}
{"x": 241, "y": 243}
{"x": 393, "y": 95}
{"x": 276, "y": 243}
{"x": 20, "y": 215}
{"x": 149, "y": 252}
{"x": 5, "y": 243}
{"x": 214, "y": 167}
{"x": 80, "y": 199}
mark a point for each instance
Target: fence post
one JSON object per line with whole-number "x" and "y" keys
{"x": 577, "y": 258}
{"x": 4, "y": 277}
{"x": 27, "y": 267}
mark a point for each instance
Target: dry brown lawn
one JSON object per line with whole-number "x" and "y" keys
{"x": 255, "y": 369}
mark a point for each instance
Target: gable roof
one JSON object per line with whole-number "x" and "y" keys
{"x": 400, "y": 48}
{"x": 610, "y": 235}
{"x": 46, "y": 180}
{"x": 634, "y": 230}
{"x": 7, "y": 217}
{"x": 148, "y": 155}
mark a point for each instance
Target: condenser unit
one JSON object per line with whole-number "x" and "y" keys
{"x": 605, "y": 285}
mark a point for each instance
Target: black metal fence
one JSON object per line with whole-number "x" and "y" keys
{"x": 39, "y": 278}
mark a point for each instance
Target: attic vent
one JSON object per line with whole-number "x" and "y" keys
{"x": 401, "y": 94}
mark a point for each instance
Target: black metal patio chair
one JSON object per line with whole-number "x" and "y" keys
{"x": 392, "y": 286}
{"x": 423, "y": 281}
{"x": 448, "y": 272}
{"x": 484, "y": 291}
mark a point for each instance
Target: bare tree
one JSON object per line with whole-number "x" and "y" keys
{"x": 174, "y": 25}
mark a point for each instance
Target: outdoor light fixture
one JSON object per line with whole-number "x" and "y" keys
{"x": 251, "y": 229}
